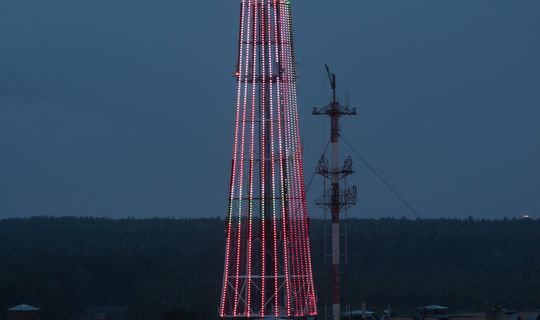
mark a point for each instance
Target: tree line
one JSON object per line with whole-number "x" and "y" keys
{"x": 160, "y": 268}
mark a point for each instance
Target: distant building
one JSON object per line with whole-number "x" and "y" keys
{"x": 23, "y": 312}
{"x": 358, "y": 314}
{"x": 436, "y": 312}
{"x": 433, "y": 311}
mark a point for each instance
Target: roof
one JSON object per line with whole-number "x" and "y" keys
{"x": 507, "y": 311}
{"x": 432, "y": 307}
{"x": 467, "y": 315}
{"x": 23, "y": 307}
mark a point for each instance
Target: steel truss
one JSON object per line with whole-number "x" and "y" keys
{"x": 267, "y": 270}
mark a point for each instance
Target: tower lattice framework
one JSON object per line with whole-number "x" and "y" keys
{"x": 267, "y": 269}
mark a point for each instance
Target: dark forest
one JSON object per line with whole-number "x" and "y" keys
{"x": 159, "y": 267}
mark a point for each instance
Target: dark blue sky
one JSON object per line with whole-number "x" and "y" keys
{"x": 125, "y": 108}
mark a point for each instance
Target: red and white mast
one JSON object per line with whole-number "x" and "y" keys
{"x": 336, "y": 199}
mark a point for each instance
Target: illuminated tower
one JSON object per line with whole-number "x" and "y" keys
{"x": 267, "y": 270}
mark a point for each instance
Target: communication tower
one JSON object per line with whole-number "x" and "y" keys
{"x": 336, "y": 198}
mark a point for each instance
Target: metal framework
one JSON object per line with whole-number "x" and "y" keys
{"x": 336, "y": 199}
{"x": 267, "y": 270}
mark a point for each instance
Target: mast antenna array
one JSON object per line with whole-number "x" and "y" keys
{"x": 336, "y": 198}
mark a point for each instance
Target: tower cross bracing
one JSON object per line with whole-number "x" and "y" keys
{"x": 267, "y": 269}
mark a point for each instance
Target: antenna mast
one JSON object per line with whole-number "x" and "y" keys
{"x": 336, "y": 198}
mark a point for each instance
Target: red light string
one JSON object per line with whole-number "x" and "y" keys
{"x": 273, "y": 183}
{"x": 312, "y": 304}
{"x": 250, "y": 227}
{"x": 234, "y": 162}
{"x": 263, "y": 160}
{"x": 281, "y": 157}
{"x": 240, "y": 193}
{"x": 305, "y": 231}
{"x": 291, "y": 183}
